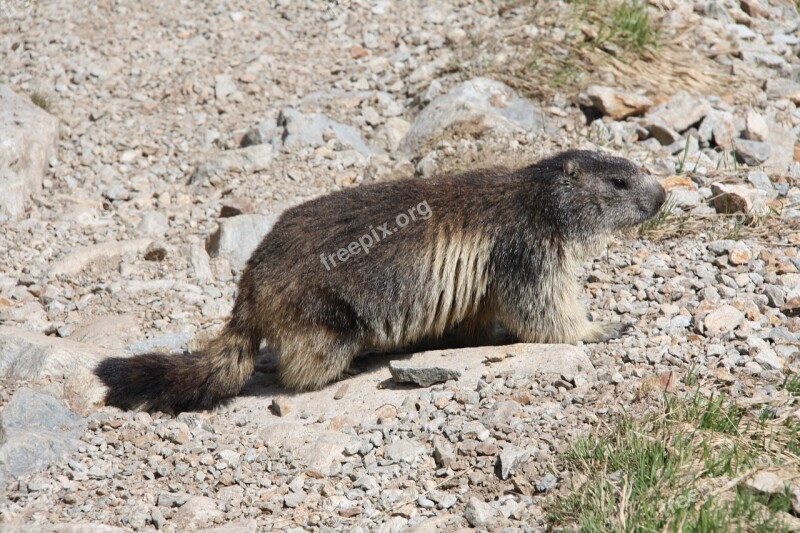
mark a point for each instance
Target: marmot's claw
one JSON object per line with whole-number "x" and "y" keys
{"x": 615, "y": 331}
{"x": 608, "y": 332}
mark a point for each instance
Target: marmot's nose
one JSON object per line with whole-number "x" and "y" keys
{"x": 659, "y": 195}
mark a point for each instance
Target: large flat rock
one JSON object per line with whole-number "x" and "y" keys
{"x": 318, "y": 444}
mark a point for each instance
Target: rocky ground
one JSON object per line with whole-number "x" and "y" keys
{"x": 146, "y": 148}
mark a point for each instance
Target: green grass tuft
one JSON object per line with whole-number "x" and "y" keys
{"x": 675, "y": 470}
{"x": 41, "y": 100}
{"x": 629, "y": 27}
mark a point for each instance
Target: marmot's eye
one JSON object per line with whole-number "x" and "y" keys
{"x": 619, "y": 183}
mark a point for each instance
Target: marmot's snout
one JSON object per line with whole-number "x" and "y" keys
{"x": 659, "y": 196}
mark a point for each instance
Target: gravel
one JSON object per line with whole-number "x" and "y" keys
{"x": 185, "y": 130}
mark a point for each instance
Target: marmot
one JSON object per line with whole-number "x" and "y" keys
{"x": 384, "y": 265}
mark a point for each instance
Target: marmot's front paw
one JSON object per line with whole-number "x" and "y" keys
{"x": 606, "y": 332}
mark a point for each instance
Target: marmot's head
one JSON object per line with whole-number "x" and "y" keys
{"x": 598, "y": 193}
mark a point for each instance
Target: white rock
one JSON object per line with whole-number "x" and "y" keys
{"x": 224, "y": 86}
{"x": 480, "y": 514}
{"x": 242, "y": 160}
{"x": 482, "y": 101}
{"x": 28, "y": 141}
{"x": 197, "y": 512}
{"x": 681, "y": 111}
{"x": 755, "y": 127}
{"x": 111, "y": 332}
{"x": 238, "y": 236}
{"x": 405, "y": 450}
{"x": 722, "y": 320}
{"x": 107, "y": 253}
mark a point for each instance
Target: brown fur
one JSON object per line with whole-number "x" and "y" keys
{"x": 499, "y": 248}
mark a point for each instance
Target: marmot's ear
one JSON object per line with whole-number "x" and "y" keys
{"x": 571, "y": 168}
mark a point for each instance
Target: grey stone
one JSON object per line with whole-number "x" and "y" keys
{"x": 35, "y": 429}
{"x": 404, "y": 450}
{"x": 445, "y": 499}
{"x": 230, "y": 457}
{"x": 722, "y": 320}
{"x": 199, "y": 259}
{"x": 781, "y": 143}
{"x": 367, "y": 483}
{"x": 766, "y": 482}
{"x": 196, "y": 422}
{"x": 480, "y": 514}
{"x": 764, "y": 59}
{"x": 424, "y": 376}
{"x": 720, "y": 123}
{"x": 475, "y": 430}
{"x": 502, "y": 413}
{"x": 782, "y": 334}
{"x": 294, "y": 499}
{"x": 776, "y": 296}
{"x": 662, "y": 132}
{"x": 237, "y": 237}
{"x": 30, "y": 315}
{"x": 681, "y": 111}
{"x": 157, "y": 517}
{"x": 172, "y": 499}
{"x": 266, "y": 132}
{"x": 763, "y": 354}
{"x": 443, "y": 452}
{"x": 760, "y": 180}
{"x": 391, "y": 134}
{"x": 751, "y": 153}
{"x": 197, "y": 512}
{"x": 489, "y": 103}
{"x": 547, "y": 482}
{"x": 154, "y": 224}
{"x": 319, "y": 449}
{"x": 510, "y": 459}
{"x": 110, "y": 332}
{"x": 302, "y": 130}
{"x": 684, "y": 198}
{"x": 243, "y": 160}
{"x": 781, "y": 88}
{"x": 224, "y": 86}
{"x": 755, "y": 127}
{"x": 28, "y": 141}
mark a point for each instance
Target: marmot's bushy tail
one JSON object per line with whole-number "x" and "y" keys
{"x": 177, "y": 383}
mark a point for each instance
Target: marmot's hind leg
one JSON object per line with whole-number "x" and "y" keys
{"x": 315, "y": 358}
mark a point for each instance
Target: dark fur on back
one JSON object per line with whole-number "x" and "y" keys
{"x": 489, "y": 248}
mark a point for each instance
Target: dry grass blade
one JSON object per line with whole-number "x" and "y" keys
{"x": 539, "y": 65}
